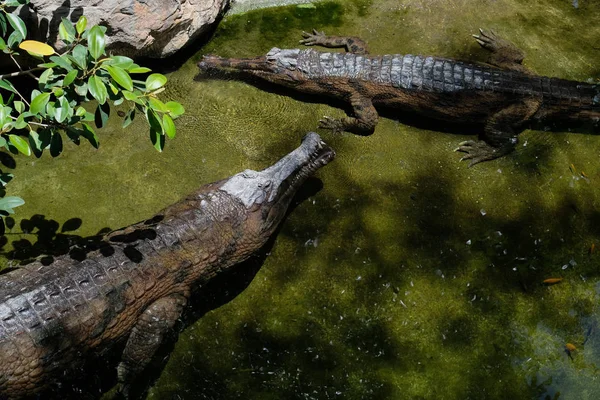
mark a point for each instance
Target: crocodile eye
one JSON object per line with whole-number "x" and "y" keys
{"x": 249, "y": 174}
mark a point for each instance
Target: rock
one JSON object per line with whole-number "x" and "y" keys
{"x": 148, "y": 28}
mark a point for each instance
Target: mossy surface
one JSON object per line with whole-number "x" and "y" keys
{"x": 409, "y": 275}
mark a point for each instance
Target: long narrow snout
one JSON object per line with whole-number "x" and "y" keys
{"x": 210, "y": 62}
{"x": 292, "y": 170}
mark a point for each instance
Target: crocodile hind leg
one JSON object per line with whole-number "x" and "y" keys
{"x": 146, "y": 337}
{"x": 500, "y": 133}
{"x": 350, "y": 43}
{"x": 503, "y": 54}
{"x": 364, "y": 120}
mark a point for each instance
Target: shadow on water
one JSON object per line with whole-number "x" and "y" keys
{"x": 312, "y": 359}
{"x": 50, "y": 240}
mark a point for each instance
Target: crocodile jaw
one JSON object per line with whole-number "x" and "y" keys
{"x": 269, "y": 192}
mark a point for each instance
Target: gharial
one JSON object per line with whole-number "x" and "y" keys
{"x": 53, "y": 316}
{"x": 503, "y": 97}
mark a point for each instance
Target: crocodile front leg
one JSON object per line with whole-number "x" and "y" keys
{"x": 500, "y": 133}
{"x": 503, "y": 54}
{"x": 364, "y": 120}
{"x": 350, "y": 43}
{"x": 146, "y": 337}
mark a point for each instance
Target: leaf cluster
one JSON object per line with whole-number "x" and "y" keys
{"x": 54, "y": 111}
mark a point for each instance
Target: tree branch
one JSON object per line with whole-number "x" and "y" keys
{"x": 18, "y": 73}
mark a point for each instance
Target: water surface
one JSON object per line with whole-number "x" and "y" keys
{"x": 408, "y": 275}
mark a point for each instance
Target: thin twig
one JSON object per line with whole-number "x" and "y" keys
{"x": 21, "y": 69}
{"x": 18, "y": 73}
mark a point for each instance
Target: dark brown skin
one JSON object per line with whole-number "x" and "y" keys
{"x": 512, "y": 100}
{"x": 134, "y": 289}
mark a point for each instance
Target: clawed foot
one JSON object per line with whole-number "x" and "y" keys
{"x": 335, "y": 125}
{"x": 478, "y": 151}
{"x": 504, "y": 53}
{"x": 313, "y": 39}
{"x": 488, "y": 40}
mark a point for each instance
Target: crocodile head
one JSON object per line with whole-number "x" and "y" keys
{"x": 279, "y": 66}
{"x": 267, "y": 194}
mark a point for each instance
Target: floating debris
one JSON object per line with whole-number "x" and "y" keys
{"x": 572, "y": 168}
{"x": 552, "y": 281}
{"x": 569, "y": 349}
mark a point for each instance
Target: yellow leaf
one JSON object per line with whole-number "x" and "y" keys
{"x": 35, "y": 47}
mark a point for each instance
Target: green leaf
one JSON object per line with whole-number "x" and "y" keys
{"x": 6, "y": 85}
{"x": 62, "y": 112}
{"x": 96, "y": 42}
{"x": 80, "y": 112}
{"x": 157, "y": 139}
{"x": 70, "y": 77}
{"x": 90, "y": 135}
{"x": 19, "y": 106}
{"x": 155, "y": 81}
{"x": 157, "y": 104}
{"x": 58, "y": 92}
{"x": 45, "y": 76}
{"x": 66, "y": 31}
{"x": 56, "y": 144}
{"x": 79, "y": 56}
{"x": 48, "y": 65}
{"x": 168, "y": 126}
{"x": 62, "y": 61}
{"x": 129, "y": 118}
{"x": 156, "y": 130}
{"x": 101, "y": 115}
{"x": 14, "y": 39}
{"x": 81, "y": 24}
{"x": 81, "y": 88}
{"x": 20, "y": 143}
{"x": 4, "y": 115}
{"x": 174, "y": 109}
{"x": 36, "y": 144}
{"x": 38, "y": 104}
{"x": 2, "y": 141}
{"x": 17, "y": 24}
{"x": 120, "y": 61}
{"x": 2, "y": 44}
{"x": 153, "y": 120}
{"x": 74, "y": 134}
{"x": 5, "y": 177}
{"x": 138, "y": 70}
{"x": 97, "y": 89}
{"x": 3, "y": 25}
{"x": 20, "y": 123}
{"x": 15, "y": 3}
{"x": 9, "y": 202}
{"x": 51, "y": 110}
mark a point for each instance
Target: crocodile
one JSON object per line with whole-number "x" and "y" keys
{"x": 133, "y": 289}
{"x": 500, "y": 97}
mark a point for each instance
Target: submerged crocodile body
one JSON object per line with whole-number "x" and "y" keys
{"x": 135, "y": 288}
{"x": 503, "y": 96}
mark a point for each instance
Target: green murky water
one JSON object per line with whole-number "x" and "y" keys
{"x": 408, "y": 275}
